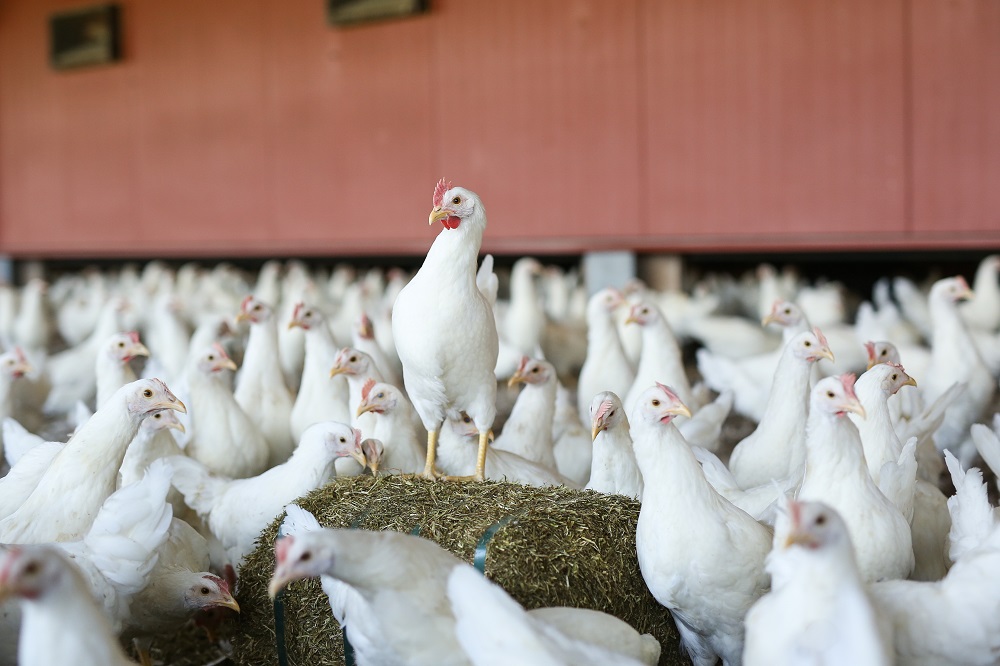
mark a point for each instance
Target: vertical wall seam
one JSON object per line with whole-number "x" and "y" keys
{"x": 909, "y": 224}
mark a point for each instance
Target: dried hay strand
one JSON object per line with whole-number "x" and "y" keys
{"x": 561, "y": 547}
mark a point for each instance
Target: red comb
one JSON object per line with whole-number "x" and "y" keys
{"x": 219, "y": 350}
{"x": 669, "y": 391}
{"x": 357, "y": 438}
{"x": 603, "y": 409}
{"x": 367, "y": 388}
{"x": 847, "y": 380}
{"x": 821, "y": 337}
{"x": 961, "y": 282}
{"x": 297, "y": 310}
{"x": 223, "y": 585}
{"x": 439, "y": 191}
{"x": 795, "y": 512}
{"x": 870, "y": 348}
{"x": 523, "y": 363}
{"x": 282, "y": 547}
{"x": 133, "y": 336}
{"x": 246, "y": 302}
{"x": 19, "y": 353}
{"x": 365, "y": 329}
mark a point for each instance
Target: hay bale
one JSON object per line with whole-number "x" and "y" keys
{"x": 561, "y": 548}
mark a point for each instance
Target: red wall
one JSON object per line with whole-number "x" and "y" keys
{"x": 252, "y": 127}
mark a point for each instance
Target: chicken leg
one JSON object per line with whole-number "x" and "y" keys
{"x": 484, "y": 440}
{"x": 432, "y": 440}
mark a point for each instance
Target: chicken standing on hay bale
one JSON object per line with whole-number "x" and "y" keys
{"x": 549, "y": 547}
{"x": 444, "y": 328}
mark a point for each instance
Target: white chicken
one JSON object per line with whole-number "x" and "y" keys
{"x": 572, "y": 442}
{"x": 607, "y": 367}
{"x": 84, "y": 473}
{"x": 236, "y": 510}
{"x": 955, "y": 620}
{"x": 495, "y": 630}
{"x": 818, "y": 610}
{"x": 444, "y": 328}
{"x": 701, "y": 557}
{"x": 260, "y": 387}
{"x": 837, "y": 475}
{"x": 955, "y": 358}
{"x": 661, "y": 359}
{"x": 112, "y": 368}
{"x": 13, "y": 366}
{"x": 528, "y": 430}
{"x": 403, "y": 447}
{"x": 320, "y": 397}
{"x": 56, "y": 603}
{"x": 613, "y": 468}
{"x": 223, "y": 437}
{"x": 776, "y": 448}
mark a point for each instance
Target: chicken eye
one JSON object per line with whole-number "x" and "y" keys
{"x": 306, "y": 556}
{"x": 466, "y": 419}
{"x": 645, "y": 311}
{"x": 380, "y": 395}
{"x": 611, "y": 413}
{"x": 820, "y": 519}
{"x": 147, "y": 393}
{"x": 894, "y": 377}
{"x": 157, "y": 415}
{"x": 807, "y": 343}
{"x": 534, "y": 369}
{"x": 256, "y": 307}
{"x": 830, "y": 394}
{"x": 884, "y": 352}
{"x": 656, "y": 403}
{"x": 343, "y": 440}
{"x": 457, "y": 200}
{"x": 211, "y": 357}
{"x": 204, "y": 590}
{"x": 788, "y": 311}
{"x": 31, "y": 569}
{"x": 354, "y": 359}
{"x": 121, "y": 345}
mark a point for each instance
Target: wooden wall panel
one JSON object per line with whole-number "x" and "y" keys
{"x": 537, "y": 107}
{"x": 774, "y": 117}
{"x": 956, "y": 115}
{"x": 238, "y": 127}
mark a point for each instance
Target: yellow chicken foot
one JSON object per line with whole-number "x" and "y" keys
{"x": 429, "y": 471}
{"x": 484, "y": 441}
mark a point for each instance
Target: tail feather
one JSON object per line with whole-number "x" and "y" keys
{"x": 988, "y": 444}
{"x": 17, "y": 440}
{"x": 130, "y": 527}
{"x": 972, "y": 518}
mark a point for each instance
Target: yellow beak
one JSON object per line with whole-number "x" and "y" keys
{"x": 295, "y": 323}
{"x": 825, "y": 353}
{"x": 364, "y": 408}
{"x": 230, "y": 603}
{"x": 595, "y": 431}
{"x": 177, "y": 425}
{"x": 767, "y": 319}
{"x": 336, "y": 370}
{"x": 796, "y": 537}
{"x": 226, "y": 364}
{"x": 518, "y": 378}
{"x": 138, "y": 349}
{"x": 679, "y": 410}
{"x": 278, "y": 582}
{"x": 242, "y": 316}
{"x": 438, "y": 214}
{"x": 855, "y": 407}
{"x": 172, "y": 404}
{"x": 631, "y": 320}
{"x": 910, "y": 382}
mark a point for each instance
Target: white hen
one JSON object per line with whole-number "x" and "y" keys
{"x": 70, "y": 493}
{"x": 444, "y": 328}
{"x": 700, "y": 556}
